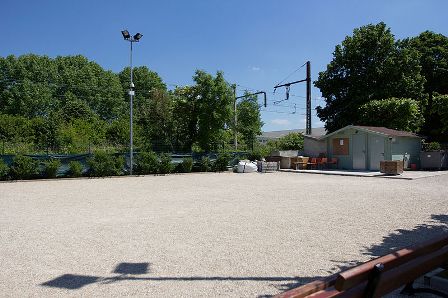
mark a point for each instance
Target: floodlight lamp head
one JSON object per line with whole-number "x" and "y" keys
{"x": 126, "y": 34}
{"x": 138, "y": 36}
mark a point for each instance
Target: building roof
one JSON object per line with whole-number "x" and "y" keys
{"x": 377, "y": 130}
{"x": 390, "y": 132}
{"x": 316, "y": 132}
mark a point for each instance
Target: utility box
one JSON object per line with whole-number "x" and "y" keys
{"x": 433, "y": 160}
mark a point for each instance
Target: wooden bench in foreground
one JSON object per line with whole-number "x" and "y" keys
{"x": 381, "y": 276}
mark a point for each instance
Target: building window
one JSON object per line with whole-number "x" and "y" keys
{"x": 340, "y": 146}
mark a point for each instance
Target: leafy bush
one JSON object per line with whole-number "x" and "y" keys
{"x": 396, "y": 113}
{"x": 185, "y": 166}
{"x": 440, "y": 110}
{"x": 255, "y": 155}
{"x": 4, "y": 170}
{"x": 147, "y": 163}
{"x": 165, "y": 166}
{"x": 205, "y": 165}
{"x": 292, "y": 141}
{"x": 75, "y": 169}
{"x": 433, "y": 146}
{"x": 103, "y": 164}
{"x": 51, "y": 168}
{"x": 221, "y": 162}
{"x": 24, "y": 167}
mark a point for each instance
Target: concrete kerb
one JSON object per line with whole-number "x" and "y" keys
{"x": 105, "y": 177}
{"x": 407, "y": 175}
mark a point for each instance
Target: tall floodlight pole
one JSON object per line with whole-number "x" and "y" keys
{"x": 131, "y": 40}
{"x": 235, "y": 119}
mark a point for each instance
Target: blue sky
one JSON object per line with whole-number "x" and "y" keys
{"x": 256, "y": 43}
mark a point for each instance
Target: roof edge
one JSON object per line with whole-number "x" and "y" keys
{"x": 366, "y": 129}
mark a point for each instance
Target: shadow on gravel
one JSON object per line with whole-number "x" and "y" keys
{"x": 71, "y": 281}
{"x": 399, "y": 239}
{"x": 127, "y": 272}
{"x": 402, "y": 238}
{"x": 392, "y": 242}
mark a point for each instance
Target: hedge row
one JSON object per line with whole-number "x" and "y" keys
{"x": 102, "y": 164}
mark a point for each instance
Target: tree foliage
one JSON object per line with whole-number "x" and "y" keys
{"x": 396, "y": 113}
{"x": 249, "y": 121}
{"x": 433, "y": 50}
{"x": 369, "y": 65}
{"x": 71, "y": 105}
{"x": 291, "y": 141}
{"x": 214, "y": 98}
{"x": 440, "y": 110}
{"x": 24, "y": 167}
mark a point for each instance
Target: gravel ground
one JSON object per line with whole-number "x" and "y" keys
{"x": 238, "y": 235}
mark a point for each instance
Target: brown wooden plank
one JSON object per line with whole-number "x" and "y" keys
{"x": 356, "y": 292}
{"x": 401, "y": 275}
{"x": 310, "y": 288}
{"x": 353, "y": 276}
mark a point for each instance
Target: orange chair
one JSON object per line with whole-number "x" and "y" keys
{"x": 322, "y": 162}
{"x": 312, "y": 163}
{"x": 333, "y": 161}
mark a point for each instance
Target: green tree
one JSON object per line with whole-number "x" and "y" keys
{"x": 32, "y": 85}
{"x": 202, "y": 112}
{"x": 16, "y": 134}
{"x": 185, "y": 118}
{"x": 249, "y": 121}
{"x": 433, "y": 50}
{"x": 440, "y": 111}
{"x": 292, "y": 141}
{"x": 152, "y": 106}
{"x": 86, "y": 80}
{"x": 80, "y": 135}
{"x": 117, "y": 132}
{"x": 369, "y": 65}
{"x": 24, "y": 85}
{"x": 214, "y": 98}
{"x": 396, "y": 113}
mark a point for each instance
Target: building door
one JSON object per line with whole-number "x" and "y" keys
{"x": 359, "y": 151}
{"x": 376, "y": 152}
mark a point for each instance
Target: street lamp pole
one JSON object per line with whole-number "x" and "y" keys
{"x": 131, "y": 39}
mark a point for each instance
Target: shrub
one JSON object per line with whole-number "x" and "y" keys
{"x": 24, "y": 167}
{"x": 396, "y": 113}
{"x": 221, "y": 162}
{"x": 185, "y": 166}
{"x": 147, "y": 163}
{"x": 119, "y": 162}
{"x": 51, "y": 168}
{"x": 205, "y": 165}
{"x": 433, "y": 146}
{"x": 103, "y": 164}
{"x": 292, "y": 141}
{"x": 165, "y": 166}
{"x": 255, "y": 155}
{"x": 4, "y": 170}
{"x": 75, "y": 169}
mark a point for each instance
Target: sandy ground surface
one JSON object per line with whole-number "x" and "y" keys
{"x": 198, "y": 235}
